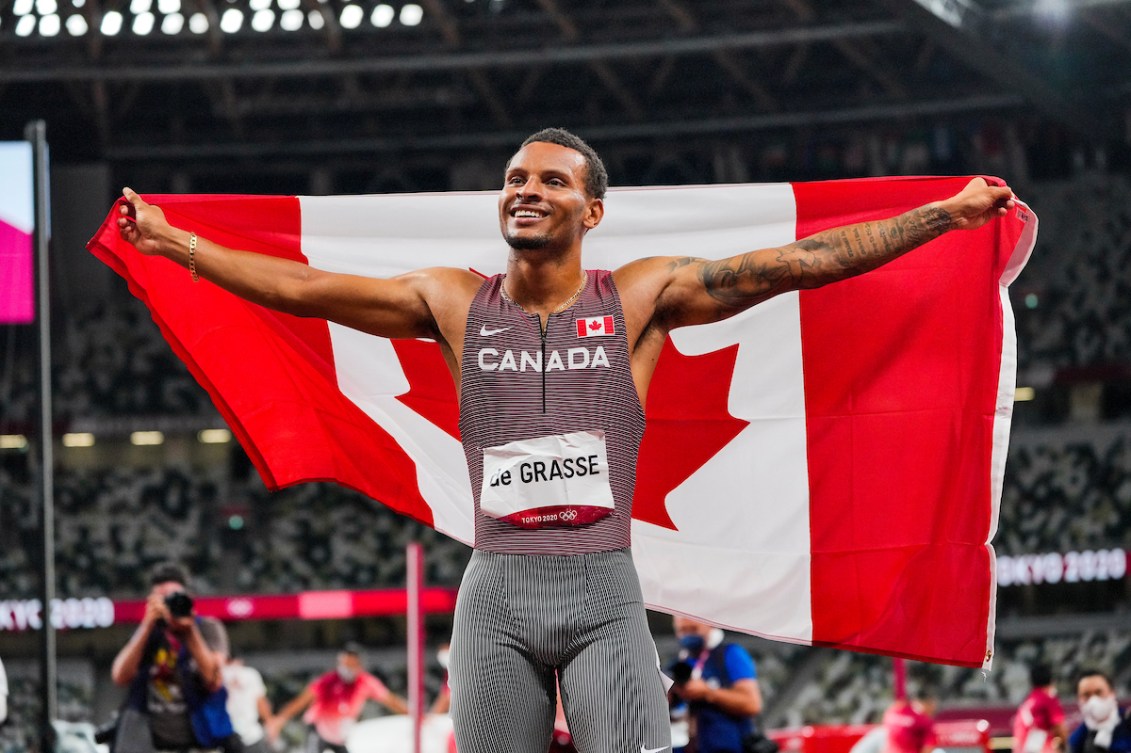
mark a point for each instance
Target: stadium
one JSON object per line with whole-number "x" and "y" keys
{"x": 325, "y": 98}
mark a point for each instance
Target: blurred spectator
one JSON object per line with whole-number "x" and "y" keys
{"x": 1106, "y": 728}
{"x": 334, "y": 702}
{"x": 910, "y": 724}
{"x": 719, "y": 683}
{"x": 443, "y": 702}
{"x": 1038, "y": 726}
{"x": 247, "y": 703}
{"x": 172, "y": 667}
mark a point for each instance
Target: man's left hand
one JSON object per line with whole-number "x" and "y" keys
{"x": 977, "y": 204}
{"x": 692, "y": 690}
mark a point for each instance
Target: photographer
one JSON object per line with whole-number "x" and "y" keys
{"x": 719, "y": 683}
{"x": 172, "y": 666}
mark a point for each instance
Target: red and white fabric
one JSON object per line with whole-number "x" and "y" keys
{"x": 823, "y": 469}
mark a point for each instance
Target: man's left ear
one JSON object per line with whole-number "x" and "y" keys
{"x": 593, "y": 213}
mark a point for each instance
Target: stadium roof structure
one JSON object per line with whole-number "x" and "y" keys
{"x": 302, "y": 84}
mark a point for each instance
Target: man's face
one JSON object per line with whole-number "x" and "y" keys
{"x": 687, "y": 626}
{"x": 1093, "y": 686}
{"x": 544, "y": 203}
{"x": 349, "y": 661}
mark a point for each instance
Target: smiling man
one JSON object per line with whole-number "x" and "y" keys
{"x": 552, "y": 364}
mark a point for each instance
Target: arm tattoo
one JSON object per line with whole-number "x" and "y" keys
{"x": 829, "y": 256}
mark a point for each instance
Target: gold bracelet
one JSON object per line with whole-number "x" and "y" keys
{"x": 192, "y": 257}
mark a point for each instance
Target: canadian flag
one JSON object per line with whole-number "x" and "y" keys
{"x": 822, "y": 469}
{"x": 594, "y": 326}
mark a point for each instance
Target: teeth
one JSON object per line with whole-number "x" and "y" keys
{"x": 527, "y": 213}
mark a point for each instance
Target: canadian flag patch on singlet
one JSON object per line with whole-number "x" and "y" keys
{"x": 560, "y": 480}
{"x": 595, "y": 326}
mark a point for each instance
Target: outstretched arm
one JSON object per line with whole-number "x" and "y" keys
{"x": 396, "y": 307}
{"x": 699, "y": 291}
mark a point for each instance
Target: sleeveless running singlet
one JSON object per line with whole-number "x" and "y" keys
{"x": 551, "y": 423}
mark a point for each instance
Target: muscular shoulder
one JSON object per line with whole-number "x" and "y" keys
{"x": 645, "y": 285}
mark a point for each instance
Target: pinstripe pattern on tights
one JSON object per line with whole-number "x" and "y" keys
{"x": 500, "y": 405}
{"x": 520, "y": 618}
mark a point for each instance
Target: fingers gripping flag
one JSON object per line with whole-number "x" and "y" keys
{"x": 823, "y": 469}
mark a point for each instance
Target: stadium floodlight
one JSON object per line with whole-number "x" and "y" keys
{"x": 411, "y": 14}
{"x": 23, "y": 7}
{"x": 1024, "y": 394}
{"x": 231, "y": 21}
{"x": 76, "y": 25}
{"x": 25, "y": 26}
{"x": 81, "y": 438}
{"x": 13, "y": 442}
{"x": 382, "y": 16}
{"x": 172, "y": 24}
{"x": 49, "y": 25}
{"x": 351, "y": 17}
{"x": 146, "y": 438}
{"x": 198, "y": 23}
{"x": 46, "y": 7}
{"x": 289, "y": 4}
{"x": 169, "y": 6}
{"x": 291, "y": 20}
{"x": 214, "y": 436}
{"x": 263, "y": 19}
{"x": 78, "y": 3}
{"x": 140, "y": 6}
{"x": 258, "y": 5}
{"x": 143, "y": 24}
{"x": 111, "y": 23}
{"x": 314, "y": 18}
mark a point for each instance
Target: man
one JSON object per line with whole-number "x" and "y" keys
{"x": 1106, "y": 728}
{"x": 172, "y": 662}
{"x": 721, "y": 690}
{"x": 551, "y": 450}
{"x": 335, "y": 701}
{"x": 247, "y": 703}
{"x": 910, "y": 724}
{"x": 1038, "y": 726}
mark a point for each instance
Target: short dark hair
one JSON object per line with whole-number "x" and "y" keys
{"x": 1040, "y": 675}
{"x": 1086, "y": 673}
{"x": 165, "y": 572}
{"x": 596, "y": 177}
{"x": 353, "y": 648}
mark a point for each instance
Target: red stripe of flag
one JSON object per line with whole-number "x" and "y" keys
{"x": 885, "y": 451}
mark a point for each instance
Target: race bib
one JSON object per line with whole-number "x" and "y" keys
{"x": 562, "y": 480}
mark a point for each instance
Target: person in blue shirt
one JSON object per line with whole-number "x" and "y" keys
{"x": 719, "y": 683}
{"x": 1106, "y": 728}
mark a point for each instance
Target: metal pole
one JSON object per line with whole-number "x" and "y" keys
{"x": 414, "y": 558}
{"x": 899, "y": 679}
{"x": 36, "y": 133}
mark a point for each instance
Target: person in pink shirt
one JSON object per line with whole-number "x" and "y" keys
{"x": 910, "y": 725}
{"x": 1038, "y": 726}
{"x": 334, "y": 701}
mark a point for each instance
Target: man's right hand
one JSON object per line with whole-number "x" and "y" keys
{"x": 142, "y": 225}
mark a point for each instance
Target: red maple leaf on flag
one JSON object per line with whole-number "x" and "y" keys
{"x": 430, "y": 389}
{"x": 688, "y": 423}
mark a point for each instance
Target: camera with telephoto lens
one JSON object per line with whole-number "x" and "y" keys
{"x": 179, "y": 604}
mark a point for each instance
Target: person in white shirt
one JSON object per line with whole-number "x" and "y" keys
{"x": 248, "y": 706}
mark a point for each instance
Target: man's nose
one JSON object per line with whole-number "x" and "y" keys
{"x": 530, "y": 187}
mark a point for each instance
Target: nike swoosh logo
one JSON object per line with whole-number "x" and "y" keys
{"x": 652, "y": 750}
{"x": 484, "y": 332}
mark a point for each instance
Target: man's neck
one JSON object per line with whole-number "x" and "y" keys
{"x": 541, "y": 284}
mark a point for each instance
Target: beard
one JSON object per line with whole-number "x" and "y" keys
{"x": 527, "y": 242}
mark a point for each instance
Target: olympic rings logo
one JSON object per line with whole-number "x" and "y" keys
{"x": 569, "y": 515}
